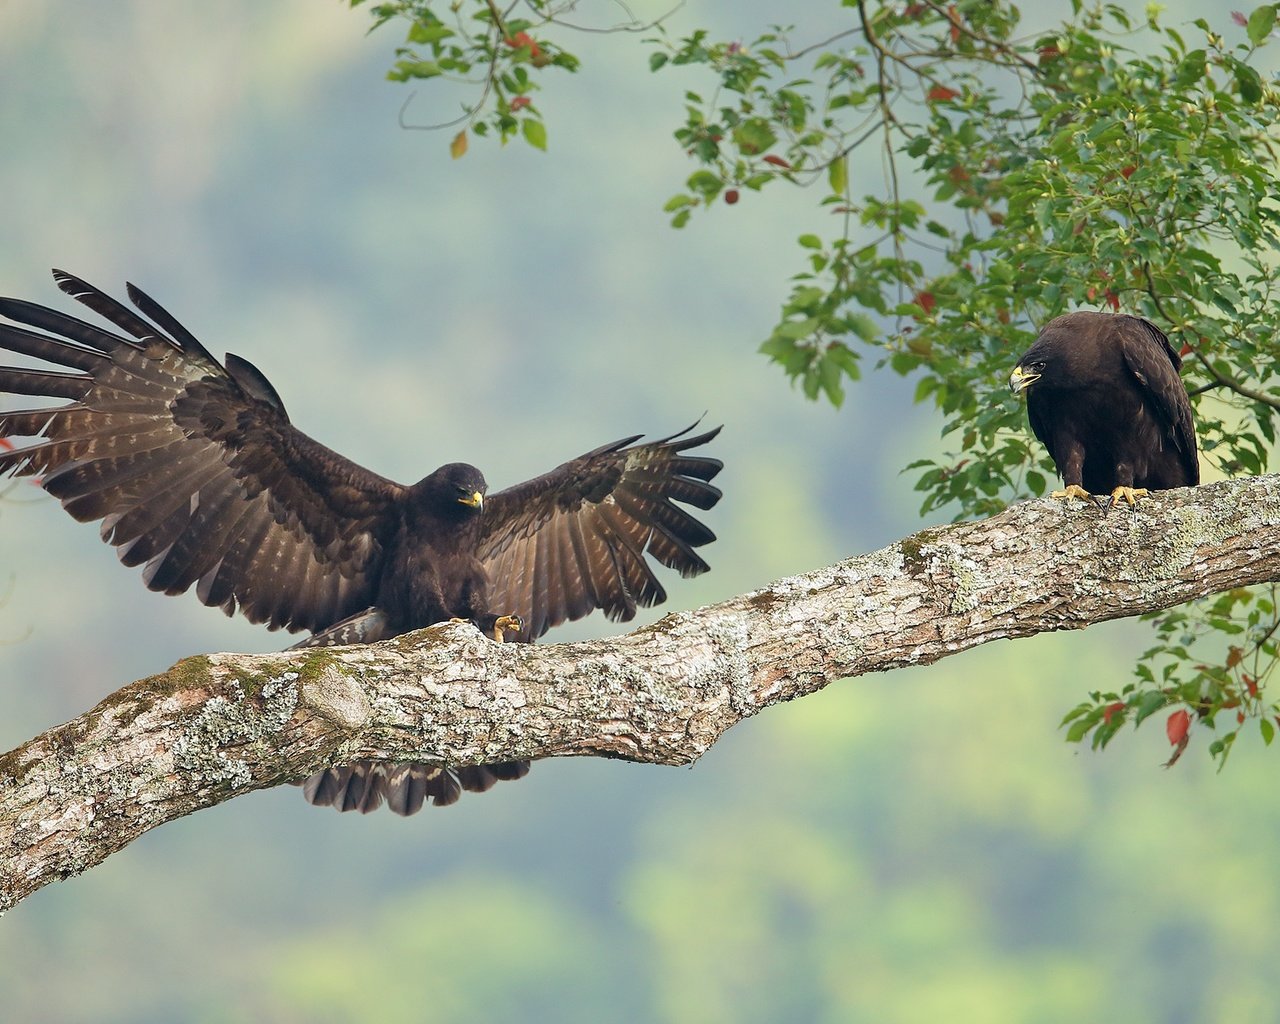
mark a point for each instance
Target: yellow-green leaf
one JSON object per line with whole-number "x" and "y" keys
{"x": 535, "y": 133}
{"x": 838, "y": 175}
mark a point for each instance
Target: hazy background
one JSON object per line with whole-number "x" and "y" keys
{"x": 920, "y": 846}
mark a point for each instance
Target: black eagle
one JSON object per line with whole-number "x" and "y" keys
{"x": 199, "y": 477}
{"x": 1104, "y": 397}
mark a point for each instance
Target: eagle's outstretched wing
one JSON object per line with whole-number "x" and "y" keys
{"x": 575, "y": 539}
{"x": 193, "y": 468}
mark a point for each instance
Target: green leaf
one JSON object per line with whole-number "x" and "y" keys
{"x": 754, "y": 136}
{"x": 422, "y": 32}
{"x": 829, "y": 376}
{"x": 1261, "y": 22}
{"x": 657, "y": 60}
{"x": 1267, "y": 729}
{"x": 705, "y": 182}
{"x": 1080, "y": 728}
{"x": 1249, "y": 82}
{"x": 810, "y": 241}
{"x": 838, "y": 175}
{"x": 1191, "y": 68}
{"x": 534, "y": 132}
{"x": 406, "y": 69}
{"x": 1148, "y": 704}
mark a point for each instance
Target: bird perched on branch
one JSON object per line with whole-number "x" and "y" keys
{"x": 198, "y": 476}
{"x": 1105, "y": 399}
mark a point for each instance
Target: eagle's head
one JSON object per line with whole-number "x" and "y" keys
{"x": 452, "y": 490}
{"x": 1026, "y": 373}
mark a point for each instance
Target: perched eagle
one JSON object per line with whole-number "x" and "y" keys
{"x": 199, "y": 477}
{"x": 1104, "y": 397}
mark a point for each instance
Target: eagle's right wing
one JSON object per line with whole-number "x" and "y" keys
{"x": 193, "y": 468}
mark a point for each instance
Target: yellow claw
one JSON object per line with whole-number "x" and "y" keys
{"x": 1073, "y": 491}
{"x": 1129, "y": 494}
{"x": 507, "y": 622}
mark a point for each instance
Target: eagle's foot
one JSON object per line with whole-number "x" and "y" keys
{"x": 505, "y": 623}
{"x": 1074, "y": 491}
{"x": 1129, "y": 494}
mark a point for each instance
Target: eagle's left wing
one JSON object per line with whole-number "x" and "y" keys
{"x": 575, "y": 539}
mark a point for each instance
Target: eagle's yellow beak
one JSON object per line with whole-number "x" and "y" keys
{"x": 1020, "y": 380}
{"x": 474, "y": 500}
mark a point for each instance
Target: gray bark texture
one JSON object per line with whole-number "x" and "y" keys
{"x": 212, "y": 728}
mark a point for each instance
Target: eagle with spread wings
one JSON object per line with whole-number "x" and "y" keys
{"x": 198, "y": 475}
{"x": 1104, "y": 397}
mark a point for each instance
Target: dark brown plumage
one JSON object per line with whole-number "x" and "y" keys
{"x": 1104, "y": 397}
{"x": 198, "y": 476}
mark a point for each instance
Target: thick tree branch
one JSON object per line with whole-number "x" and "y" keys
{"x": 214, "y": 727}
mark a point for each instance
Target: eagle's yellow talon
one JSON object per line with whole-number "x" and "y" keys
{"x": 513, "y": 623}
{"x": 1073, "y": 491}
{"x": 1129, "y": 494}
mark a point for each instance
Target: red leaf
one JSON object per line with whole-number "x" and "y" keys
{"x": 6, "y": 444}
{"x": 940, "y": 94}
{"x": 520, "y": 102}
{"x": 1112, "y": 300}
{"x": 1127, "y": 172}
{"x": 1185, "y": 351}
{"x": 731, "y": 196}
{"x": 955, "y": 23}
{"x": 914, "y": 10}
{"x": 777, "y": 161}
{"x": 1250, "y": 683}
{"x": 1177, "y": 726}
{"x": 926, "y": 301}
{"x": 1239, "y": 19}
{"x": 1110, "y": 710}
{"x": 1240, "y": 718}
{"x": 523, "y": 39}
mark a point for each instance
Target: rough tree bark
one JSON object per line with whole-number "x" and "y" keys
{"x": 212, "y": 728}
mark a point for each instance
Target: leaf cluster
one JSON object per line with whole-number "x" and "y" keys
{"x": 484, "y": 47}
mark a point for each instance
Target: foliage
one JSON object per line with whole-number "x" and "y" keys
{"x": 494, "y": 51}
{"x": 1106, "y": 163}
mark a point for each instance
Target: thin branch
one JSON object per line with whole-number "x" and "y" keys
{"x": 630, "y": 25}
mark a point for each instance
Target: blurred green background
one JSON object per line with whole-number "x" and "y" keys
{"x": 920, "y": 846}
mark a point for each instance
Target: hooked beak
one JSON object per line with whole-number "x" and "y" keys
{"x": 1020, "y": 380}
{"x": 474, "y": 500}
